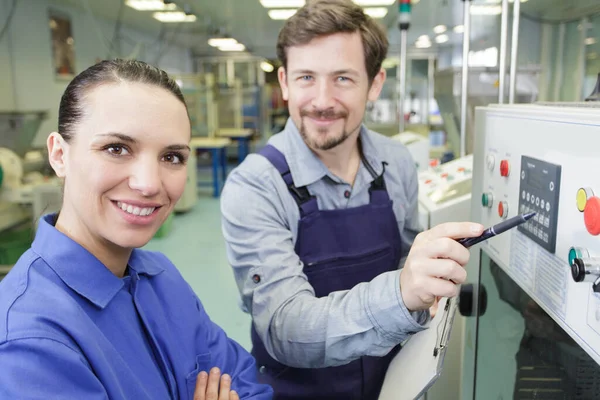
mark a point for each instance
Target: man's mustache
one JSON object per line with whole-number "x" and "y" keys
{"x": 323, "y": 114}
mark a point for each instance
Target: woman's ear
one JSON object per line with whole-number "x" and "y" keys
{"x": 57, "y": 153}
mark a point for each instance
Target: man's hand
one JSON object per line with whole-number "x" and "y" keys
{"x": 207, "y": 386}
{"x": 435, "y": 264}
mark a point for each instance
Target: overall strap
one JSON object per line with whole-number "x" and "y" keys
{"x": 378, "y": 191}
{"x": 306, "y": 202}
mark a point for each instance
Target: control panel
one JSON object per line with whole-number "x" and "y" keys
{"x": 544, "y": 159}
{"x": 445, "y": 192}
{"x": 540, "y": 190}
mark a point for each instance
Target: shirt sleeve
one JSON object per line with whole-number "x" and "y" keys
{"x": 231, "y": 358}
{"x": 42, "y": 368}
{"x": 297, "y": 328}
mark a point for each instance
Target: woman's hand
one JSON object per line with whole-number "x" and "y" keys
{"x": 208, "y": 388}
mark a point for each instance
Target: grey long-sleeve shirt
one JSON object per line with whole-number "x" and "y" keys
{"x": 260, "y": 223}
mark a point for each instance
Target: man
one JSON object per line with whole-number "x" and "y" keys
{"x": 318, "y": 224}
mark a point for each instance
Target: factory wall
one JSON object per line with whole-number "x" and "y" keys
{"x": 27, "y": 78}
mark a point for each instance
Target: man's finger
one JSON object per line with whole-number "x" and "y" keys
{"x": 455, "y": 230}
{"x": 449, "y": 249}
{"x": 233, "y": 395}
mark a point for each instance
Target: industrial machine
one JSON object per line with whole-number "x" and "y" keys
{"x": 418, "y": 146}
{"x": 445, "y": 196}
{"x": 26, "y": 189}
{"x": 445, "y": 192}
{"x": 533, "y": 324}
{"x": 483, "y": 90}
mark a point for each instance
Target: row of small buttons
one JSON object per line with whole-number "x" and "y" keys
{"x": 540, "y": 218}
{"x": 539, "y": 232}
{"x": 536, "y": 200}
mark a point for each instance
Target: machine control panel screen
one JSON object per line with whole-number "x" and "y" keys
{"x": 539, "y": 192}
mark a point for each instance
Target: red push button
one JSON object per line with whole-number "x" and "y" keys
{"x": 461, "y": 169}
{"x": 428, "y": 181}
{"x": 504, "y": 168}
{"x": 503, "y": 209}
{"x": 591, "y": 216}
{"x": 444, "y": 175}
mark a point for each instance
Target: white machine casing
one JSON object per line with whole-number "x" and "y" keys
{"x": 536, "y": 158}
{"x": 445, "y": 192}
{"x": 418, "y": 146}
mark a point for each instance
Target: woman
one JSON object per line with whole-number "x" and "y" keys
{"x": 85, "y": 313}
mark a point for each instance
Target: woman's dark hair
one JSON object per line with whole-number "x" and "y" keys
{"x": 107, "y": 72}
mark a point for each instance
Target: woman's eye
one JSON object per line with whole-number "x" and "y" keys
{"x": 117, "y": 150}
{"x": 174, "y": 158}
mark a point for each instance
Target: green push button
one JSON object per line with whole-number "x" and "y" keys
{"x": 485, "y": 200}
{"x": 577, "y": 252}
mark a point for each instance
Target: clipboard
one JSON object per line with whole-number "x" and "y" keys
{"x": 419, "y": 363}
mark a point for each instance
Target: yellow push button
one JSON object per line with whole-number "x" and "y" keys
{"x": 583, "y": 194}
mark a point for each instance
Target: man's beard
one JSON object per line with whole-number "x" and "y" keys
{"x": 332, "y": 141}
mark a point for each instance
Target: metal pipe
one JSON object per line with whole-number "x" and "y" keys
{"x": 560, "y": 62}
{"x": 514, "y": 51}
{"x": 403, "y": 38}
{"x": 503, "y": 40}
{"x": 465, "y": 77}
{"x": 430, "y": 87}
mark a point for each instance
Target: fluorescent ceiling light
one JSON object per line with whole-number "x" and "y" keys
{"x": 477, "y": 9}
{"x": 216, "y": 42}
{"x": 281, "y": 14}
{"x": 376, "y": 12}
{"x": 440, "y": 29}
{"x": 281, "y": 3}
{"x": 150, "y": 5}
{"x": 422, "y": 45}
{"x": 441, "y": 39}
{"x": 459, "y": 28}
{"x": 375, "y": 2}
{"x": 500, "y": 1}
{"x": 300, "y": 3}
{"x": 233, "y": 47}
{"x": 423, "y": 38}
{"x": 265, "y": 66}
{"x": 175, "y": 16}
{"x": 590, "y": 41}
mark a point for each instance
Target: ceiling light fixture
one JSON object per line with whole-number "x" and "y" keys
{"x": 440, "y": 29}
{"x": 232, "y": 47}
{"x": 216, "y": 42}
{"x": 150, "y": 5}
{"x": 442, "y": 39}
{"x": 376, "y": 12}
{"x": 267, "y": 67}
{"x": 459, "y": 29}
{"x": 374, "y": 2}
{"x": 281, "y": 3}
{"x": 170, "y": 17}
{"x": 281, "y": 14}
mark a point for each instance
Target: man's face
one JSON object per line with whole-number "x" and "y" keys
{"x": 327, "y": 88}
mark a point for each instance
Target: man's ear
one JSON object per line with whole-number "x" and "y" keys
{"x": 282, "y": 76}
{"x": 377, "y": 85}
{"x": 57, "y": 153}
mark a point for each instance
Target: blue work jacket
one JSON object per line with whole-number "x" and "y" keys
{"x": 69, "y": 328}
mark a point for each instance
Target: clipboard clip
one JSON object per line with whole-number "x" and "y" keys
{"x": 442, "y": 337}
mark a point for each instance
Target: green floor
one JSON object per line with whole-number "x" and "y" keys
{"x": 196, "y": 246}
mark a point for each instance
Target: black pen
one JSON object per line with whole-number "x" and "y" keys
{"x": 497, "y": 229}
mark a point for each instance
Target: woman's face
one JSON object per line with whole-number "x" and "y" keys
{"x": 124, "y": 168}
